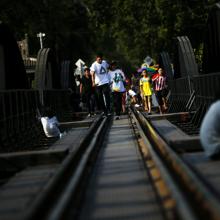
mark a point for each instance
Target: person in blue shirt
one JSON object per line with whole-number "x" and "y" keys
{"x": 210, "y": 129}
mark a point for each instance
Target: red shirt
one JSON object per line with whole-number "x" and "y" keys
{"x": 159, "y": 82}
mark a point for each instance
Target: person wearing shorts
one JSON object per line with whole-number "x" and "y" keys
{"x": 160, "y": 89}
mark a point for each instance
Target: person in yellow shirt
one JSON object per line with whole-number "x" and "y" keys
{"x": 146, "y": 90}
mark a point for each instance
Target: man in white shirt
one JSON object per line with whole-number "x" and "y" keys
{"x": 100, "y": 79}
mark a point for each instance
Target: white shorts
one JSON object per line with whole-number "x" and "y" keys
{"x": 131, "y": 93}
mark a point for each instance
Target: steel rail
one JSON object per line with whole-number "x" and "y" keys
{"x": 62, "y": 204}
{"x": 193, "y": 199}
{"x": 184, "y": 210}
{"x": 53, "y": 190}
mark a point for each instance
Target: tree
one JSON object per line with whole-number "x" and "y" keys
{"x": 123, "y": 30}
{"x": 64, "y": 22}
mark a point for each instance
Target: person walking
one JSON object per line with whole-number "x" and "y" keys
{"x": 87, "y": 92}
{"x": 146, "y": 90}
{"x": 160, "y": 89}
{"x": 100, "y": 80}
{"x": 117, "y": 79}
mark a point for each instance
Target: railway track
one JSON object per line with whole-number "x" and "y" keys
{"x": 33, "y": 181}
{"x": 191, "y": 178}
{"x": 105, "y": 176}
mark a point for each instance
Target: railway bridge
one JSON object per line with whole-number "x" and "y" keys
{"x": 139, "y": 167}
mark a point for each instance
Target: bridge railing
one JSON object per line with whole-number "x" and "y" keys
{"x": 17, "y": 115}
{"x": 204, "y": 87}
{"x": 59, "y": 101}
{"x": 20, "y": 127}
{"x": 181, "y": 91}
{"x": 194, "y": 94}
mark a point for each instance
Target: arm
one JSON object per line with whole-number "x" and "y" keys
{"x": 155, "y": 77}
{"x": 80, "y": 88}
{"x": 165, "y": 82}
{"x": 141, "y": 86}
{"x": 123, "y": 76}
{"x": 110, "y": 77}
{"x": 93, "y": 78}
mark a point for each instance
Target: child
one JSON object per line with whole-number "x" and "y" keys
{"x": 146, "y": 91}
{"x": 160, "y": 88}
{"x": 87, "y": 91}
{"x": 133, "y": 96}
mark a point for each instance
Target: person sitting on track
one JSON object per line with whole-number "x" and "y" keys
{"x": 210, "y": 130}
{"x": 134, "y": 100}
{"x": 50, "y": 125}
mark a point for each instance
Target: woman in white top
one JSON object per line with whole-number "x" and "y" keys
{"x": 117, "y": 79}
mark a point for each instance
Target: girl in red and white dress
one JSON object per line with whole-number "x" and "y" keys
{"x": 160, "y": 89}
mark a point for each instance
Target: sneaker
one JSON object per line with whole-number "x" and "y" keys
{"x": 117, "y": 117}
{"x": 136, "y": 105}
{"x": 63, "y": 134}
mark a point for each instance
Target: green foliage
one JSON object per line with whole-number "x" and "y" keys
{"x": 124, "y": 30}
{"x": 131, "y": 30}
{"x": 65, "y": 24}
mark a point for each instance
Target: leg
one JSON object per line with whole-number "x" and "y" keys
{"x": 164, "y": 104}
{"x": 135, "y": 99}
{"x": 101, "y": 98}
{"x": 123, "y": 102}
{"x": 145, "y": 103}
{"x": 159, "y": 100}
{"x": 118, "y": 102}
{"x": 88, "y": 104}
{"x": 149, "y": 103}
{"x": 164, "y": 93}
{"x": 106, "y": 93}
{"x": 92, "y": 102}
{"x": 97, "y": 102}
